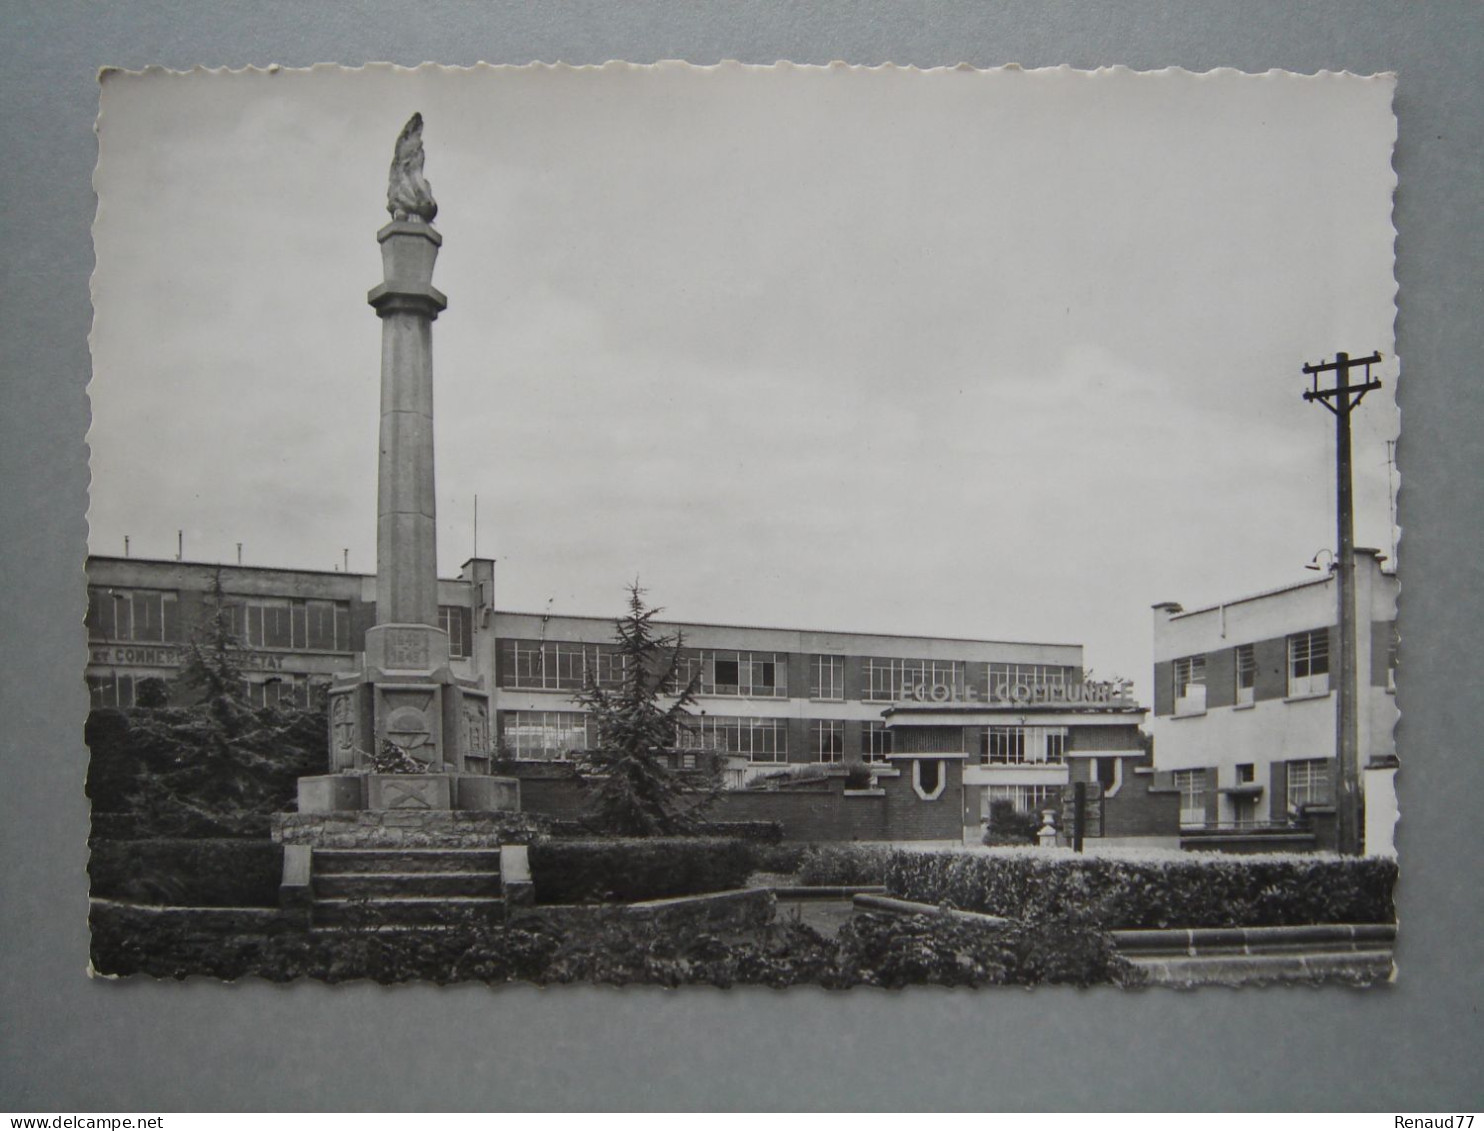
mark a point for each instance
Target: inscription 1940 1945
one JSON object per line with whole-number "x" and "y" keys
{"x": 407, "y": 648}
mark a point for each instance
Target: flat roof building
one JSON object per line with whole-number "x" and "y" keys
{"x": 770, "y": 698}
{"x": 1245, "y": 708}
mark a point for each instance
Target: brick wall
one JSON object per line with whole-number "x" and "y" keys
{"x": 908, "y": 817}
{"x": 549, "y": 788}
{"x": 1142, "y": 806}
{"x": 824, "y": 813}
{"x": 1139, "y": 809}
{"x": 807, "y": 815}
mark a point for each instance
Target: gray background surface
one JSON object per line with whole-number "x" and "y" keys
{"x": 67, "y": 1043}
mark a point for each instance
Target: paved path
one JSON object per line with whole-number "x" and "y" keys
{"x": 826, "y": 916}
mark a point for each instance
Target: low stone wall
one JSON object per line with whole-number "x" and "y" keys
{"x": 869, "y": 901}
{"x": 1255, "y": 940}
{"x": 217, "y": 920}
{"x": 401, "y": 828}
{"x": 722, "y": 910}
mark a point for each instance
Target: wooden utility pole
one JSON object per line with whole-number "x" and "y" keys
{"x": 1340, "y": 398}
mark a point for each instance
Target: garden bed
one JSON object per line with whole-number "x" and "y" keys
{"x": 869, "y": 950}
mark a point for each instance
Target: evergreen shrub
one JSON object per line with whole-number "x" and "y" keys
{"x": 1007, "y": 825}
{"x": 216, "y": 766}
{"x": 1118, "y": 893}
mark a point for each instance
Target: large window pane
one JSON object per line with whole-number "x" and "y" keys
{"x": 1192, "y": 787}
{"x": 827, "y": 739}
{"x": 827, "y": 677}
{"x": 876, "y": 742}
{"x": 1308, "y": 663}
{"x": 543, "y": 736}
{"x": 888, "y": 680}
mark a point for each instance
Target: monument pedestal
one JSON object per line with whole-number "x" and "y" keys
{"x": 408, "y": 793}
{"x": 406, "y": 695}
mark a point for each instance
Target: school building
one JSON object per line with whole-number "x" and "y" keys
{"x": 946, "y": 726}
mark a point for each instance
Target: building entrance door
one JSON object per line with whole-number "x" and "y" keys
{"x": 1244, "y": 811}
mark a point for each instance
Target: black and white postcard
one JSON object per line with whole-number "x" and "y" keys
{"x": 776, "y": 525}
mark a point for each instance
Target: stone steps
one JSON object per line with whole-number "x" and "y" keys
{"x": 390, "y": 885}
{"x": 387, "y": 861}
{"x": 373, "y": 888}
{"x": 406, "y": 911}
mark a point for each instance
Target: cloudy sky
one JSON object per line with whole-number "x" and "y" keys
{"x": 991, "y": 354}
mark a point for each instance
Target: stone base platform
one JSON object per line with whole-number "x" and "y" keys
{"x": 413, "y": 793}
{"x": 398, "y": 828}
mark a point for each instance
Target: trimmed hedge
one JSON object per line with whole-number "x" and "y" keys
{"x": 778, "y": 859}
{"x": 844, "y": 865}
{"x": 758, "y": 832}
{"x": 1121, "y": 894}
{"x": 634, "y": 869}
{"x": 187, "y": 873}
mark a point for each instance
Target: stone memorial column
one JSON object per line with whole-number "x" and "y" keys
{"x": 405, "y": 693}
{"x": 406, "y": 636}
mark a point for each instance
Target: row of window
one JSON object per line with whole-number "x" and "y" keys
{"x": 287, "y": 623}
{"x": 152, "y": 616}
{"x": 123, "y": 689}
{"x": 557, "y": 666}
{"x": 751, "y": 675}
{"x": 884, "y": 680}
{"x": 571, "y": 666}
{"x": 1022, "y": 745}
{"x": 1032, "y": 799}
{"x": 143, "y": 615}
{"x": 316, "y": 626}
{"x": 555, "y": 735}
{"x": 1308, "y": 672}
{"x": 1308, "y": 782}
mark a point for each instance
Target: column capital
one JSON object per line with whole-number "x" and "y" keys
{"x": 410, "y": 228}
{"x": 412, "y": 298}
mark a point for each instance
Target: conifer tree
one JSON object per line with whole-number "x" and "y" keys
{"x": 637, "y": 787}
{"x": 216, "y": 765}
